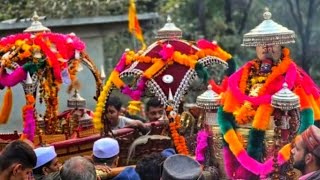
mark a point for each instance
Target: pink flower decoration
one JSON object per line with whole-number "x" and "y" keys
{"x": 167, "y": 51}
{"x": 205, "y": 44}
{"x": 202, "y": 144}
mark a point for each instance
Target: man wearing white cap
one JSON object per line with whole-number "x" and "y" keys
{"x": 47, "y": 162}
{"x": 105, "y": 152}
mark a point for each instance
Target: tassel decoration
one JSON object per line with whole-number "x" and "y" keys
{"x": 6, "y": 107}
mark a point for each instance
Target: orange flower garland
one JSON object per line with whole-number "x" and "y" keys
{"x": 277, "y": 70}
{"x": 246, "y": 113}
{"x": 157, "y": 63}
{"x": 178, "y": 140}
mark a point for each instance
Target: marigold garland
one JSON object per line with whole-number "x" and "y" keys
{"x": 178, "y": 140}
{"x": 56, "y": 49}
{"x": 245, "y": 113}
{"x": 169, "y": 56}
{"x": 235, "y": 98}
{"x": 101, "y": 104}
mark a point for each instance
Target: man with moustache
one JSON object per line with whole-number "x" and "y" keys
{"x": 306, "y": 154}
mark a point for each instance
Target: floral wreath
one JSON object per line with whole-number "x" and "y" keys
{"x": 235, "y": 103}
{"x": 44, "y": 54}
{"x": 168, "y": 56}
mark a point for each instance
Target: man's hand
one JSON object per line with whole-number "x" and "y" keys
{"x": 103, "y": 168}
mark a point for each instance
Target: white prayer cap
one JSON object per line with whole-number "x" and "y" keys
{"x": 105, "y": 148}
{"x": 44, "y": 155}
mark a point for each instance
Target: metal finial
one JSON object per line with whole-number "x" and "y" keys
{"x": 285, "y": 85}
{"x": 35, "y": 16}
{"x": 36, "y": 25}
{"x": 267, "y": 14}
{"x": 169, "y": 20}
{"x": 169, "y": 31}
{"x": 72, "y": 34}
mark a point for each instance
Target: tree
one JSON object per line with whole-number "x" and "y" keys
{"x": 304, "y": 17}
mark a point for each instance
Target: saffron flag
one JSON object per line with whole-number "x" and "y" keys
{"x": 134, "y": 26}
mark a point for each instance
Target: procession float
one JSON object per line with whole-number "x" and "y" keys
{"x": 42, "y": 61}
{"x": 245, "y": 125}
{"x": 266, "y": 103}
{"x": 165, "y": 69}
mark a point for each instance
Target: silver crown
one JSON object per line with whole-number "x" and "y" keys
{"x": 76, "y": 101}
{"x": 36, "y": 25}
{"x": 169, "y": 31}
{"x": 209, "y": 99}
{"x": 268, "y": 33}
{"x": 285, "y": 99}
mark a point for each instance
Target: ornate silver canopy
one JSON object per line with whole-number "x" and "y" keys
{"x": 208, "y": 100}
{"x": 169, "y": 31}
{"x": 36, "y": 25}
{"x": 76, "y": 101}
{"x": 285, "y": 99}
{"x": 268, "y": 33}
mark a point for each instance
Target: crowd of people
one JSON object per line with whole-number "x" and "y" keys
{"x": 19, "y": 161}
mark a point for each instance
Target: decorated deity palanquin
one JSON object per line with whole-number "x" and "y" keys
{"x": 165, "y": 69}
{"x": 42, "y": 61}
{"x": 269, "y": 93}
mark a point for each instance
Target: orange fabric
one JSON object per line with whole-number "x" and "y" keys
{"x": 154, "y": 69}
{"x": 230, "y": 102}
{"x": 262, "y": 118}
{"x": 232, "y": 139}
{"x": 304, "y": 99}
{"x": 315, "y": 107}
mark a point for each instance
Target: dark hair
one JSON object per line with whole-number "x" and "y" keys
{"x": 149, "y": 167}
{"x": 107, "y": 161}
{"x": 39, "y": 171}
{"x": 115, "y": 102}
{"x": 317, "y": 159}
{"x": 78, "y": 168}
{"x": 18, "y": 152}
{"x": 153, "y": 102}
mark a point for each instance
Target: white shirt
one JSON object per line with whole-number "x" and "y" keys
{"x": 123, "y": 122}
